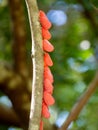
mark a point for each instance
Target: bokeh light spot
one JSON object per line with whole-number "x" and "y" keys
{"x": 85, "y": 45}
{"x": 57, "y": 17}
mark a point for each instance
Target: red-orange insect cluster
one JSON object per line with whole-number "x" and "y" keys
{"x": 48, "y": 77}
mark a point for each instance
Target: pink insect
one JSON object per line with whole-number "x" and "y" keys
{"x": 48, "y": 77}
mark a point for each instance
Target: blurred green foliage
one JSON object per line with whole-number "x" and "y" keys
{"x": 5, "y": 33}
{"x": 74, "y": 66}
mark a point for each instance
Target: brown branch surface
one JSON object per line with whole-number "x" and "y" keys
{"x": 81, "y": 103}
{"x": 37, "y": 59}
{"x": 19, "y": 34}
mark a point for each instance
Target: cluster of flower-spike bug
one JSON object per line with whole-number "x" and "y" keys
{"x": 48, "y": 100}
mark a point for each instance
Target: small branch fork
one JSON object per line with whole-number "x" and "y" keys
{"x": 37, "y": 59}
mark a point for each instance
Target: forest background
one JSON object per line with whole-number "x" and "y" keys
{"x": 74, "y": 36}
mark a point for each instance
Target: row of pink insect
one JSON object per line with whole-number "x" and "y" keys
{"x": 48, "y": 99}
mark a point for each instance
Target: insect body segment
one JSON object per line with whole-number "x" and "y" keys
{"x": 45, "y": 23}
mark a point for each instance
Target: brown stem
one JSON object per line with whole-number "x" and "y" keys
{"x": 37, "y": 59}
{"x": 81, "y": 103}
{"x": 19, "y": 33}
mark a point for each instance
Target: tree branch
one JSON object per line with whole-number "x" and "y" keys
{"x": 81, "y": 102}
{"x": 13, "y": 86}
{"x": 19, "y": 33}
{"x": 8, "y": 116}
{"x": 37, "y": 59}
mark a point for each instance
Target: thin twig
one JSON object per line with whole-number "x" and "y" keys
{"x": 37, "y": 59}
{"x": 81, "y": 103}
